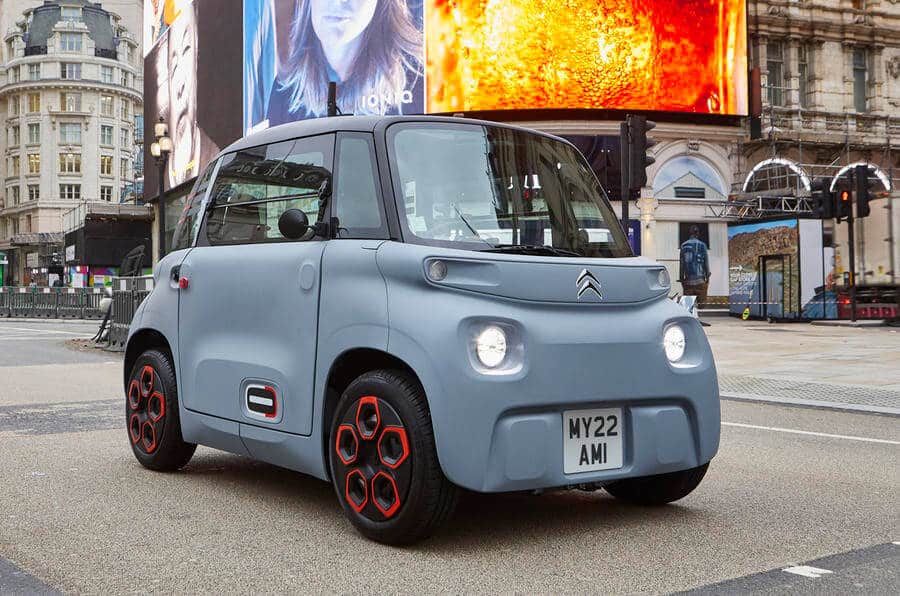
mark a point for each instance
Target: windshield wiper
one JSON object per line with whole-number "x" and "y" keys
{"x": 468, "y": 225}
{"x": 533, "y": 249}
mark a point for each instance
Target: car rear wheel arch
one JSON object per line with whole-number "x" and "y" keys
{"x": 142, "y": 341}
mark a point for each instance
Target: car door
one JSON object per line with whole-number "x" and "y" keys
{"x": 249, "y": 303}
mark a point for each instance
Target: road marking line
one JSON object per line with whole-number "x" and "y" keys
{"x": 807, "y": 432}
{"x": 807, "y": 571}
{"x": 38, "y": 339}
{"x": 43, "y": 330}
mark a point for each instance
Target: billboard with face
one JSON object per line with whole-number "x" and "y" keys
{"x": 217, "y": 70}
{"x": 186, "y": 86}
{"x": 373, "y": 49}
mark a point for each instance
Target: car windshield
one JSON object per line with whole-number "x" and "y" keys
{"x": 498, "y": 189}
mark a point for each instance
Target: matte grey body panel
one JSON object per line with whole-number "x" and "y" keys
{"x": 576, "y": 356}
{"x": 513, "y": 276}
{"x": 159, "y": 312}
{"x": 250, "y": 312}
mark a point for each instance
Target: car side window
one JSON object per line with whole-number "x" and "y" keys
{"x": 189, "y": 220}
{"x": 357, "y": 203}
{"x": 255, "y": 186}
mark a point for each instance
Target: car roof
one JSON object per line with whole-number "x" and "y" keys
{"x": 317, "y": 126}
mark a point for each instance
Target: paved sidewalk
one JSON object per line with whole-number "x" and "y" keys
{"x": 839, "y": 367}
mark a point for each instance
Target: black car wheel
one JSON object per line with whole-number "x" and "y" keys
{"x": 384, "y": 464}
{"x": 151, "y": 408}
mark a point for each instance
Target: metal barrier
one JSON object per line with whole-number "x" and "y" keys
{"x": 92, "y": 298}
{"x": 43, "y": 303}
{"x": 70, "y": 303}
{"x": 128, "y": 293}
{"x": 21, "y": 301}
{"x": 51, "y": 303}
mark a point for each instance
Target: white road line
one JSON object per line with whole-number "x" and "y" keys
{"x": 39, "y": 339}
{"x": 807, "y": 432}
{"x": 42, "y": 330}
{"x": 807, "y": 571}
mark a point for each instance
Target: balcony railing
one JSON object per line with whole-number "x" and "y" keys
{"x": 873, "y": 128}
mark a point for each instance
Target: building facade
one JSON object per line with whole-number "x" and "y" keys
{"x": 70, "y": 93}
{"x": 830, "y": 98}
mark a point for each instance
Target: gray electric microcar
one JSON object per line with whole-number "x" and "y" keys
{"x": 409, "y": 305}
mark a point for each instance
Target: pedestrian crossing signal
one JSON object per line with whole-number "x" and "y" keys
{"x": 822, "y": 199}
{"x": 862, "y": 190}
{"x": 844, "y": 205}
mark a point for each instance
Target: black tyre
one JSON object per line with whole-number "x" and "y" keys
{"x": 151, "y": 414}
{"x": 659, "y": 489}
{"x": 384, "y": 465}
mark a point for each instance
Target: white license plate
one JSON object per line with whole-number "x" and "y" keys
{"x": 592, "y": 440}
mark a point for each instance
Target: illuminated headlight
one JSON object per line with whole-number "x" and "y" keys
{"x": 673, "y": 342}
{"x": 663, "y": 279}
{"x": 490, "y": 346}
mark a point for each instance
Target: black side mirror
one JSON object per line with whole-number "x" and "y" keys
{"x": 293, "y": 224}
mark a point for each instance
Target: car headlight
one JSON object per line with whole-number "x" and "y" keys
{"x": 490, "y": 346}
{"x": 674, "y": 343}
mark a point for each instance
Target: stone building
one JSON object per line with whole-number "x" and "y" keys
{"x": 830, "y": 80}
{"x": 70, "y": 91}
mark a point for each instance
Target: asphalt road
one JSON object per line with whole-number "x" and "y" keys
{"x": 791, "y": 488}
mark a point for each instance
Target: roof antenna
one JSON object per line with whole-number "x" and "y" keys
{"x": 332, "y": 99}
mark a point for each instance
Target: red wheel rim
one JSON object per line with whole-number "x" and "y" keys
{"x": 371, "y": 458}
{"x": 146, "y": 402}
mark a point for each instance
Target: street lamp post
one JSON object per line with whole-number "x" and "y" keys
{"x": 160, "y": 150}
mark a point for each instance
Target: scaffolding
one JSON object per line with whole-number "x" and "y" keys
{"x": 782, "y": 186}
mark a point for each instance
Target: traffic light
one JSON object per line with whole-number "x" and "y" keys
{"x": 862, "y": 190}
{"x": 638, "y": 127}
{"x": 843, "y": 205}
{"x": 822, "y": 199}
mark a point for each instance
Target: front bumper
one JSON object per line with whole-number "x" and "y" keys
{"x": 505, "y": 432}
{"x": 526, "y": 449}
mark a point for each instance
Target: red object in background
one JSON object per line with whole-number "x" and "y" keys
{"x": 866, "y": 310}
{"x": 183, "y": 283}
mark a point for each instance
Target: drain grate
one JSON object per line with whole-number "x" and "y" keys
{"x": 804, "y": 390}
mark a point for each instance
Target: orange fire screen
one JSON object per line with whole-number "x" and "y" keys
{"x": 672, "y": 55}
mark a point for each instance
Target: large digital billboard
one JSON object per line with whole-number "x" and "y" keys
{"x": 186, "y": 85}
{"x": 373, "y": 49}
{"x": 439, "y": 56}
{"x": 667, "y": 55}
{"x": 219, "y": 69}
